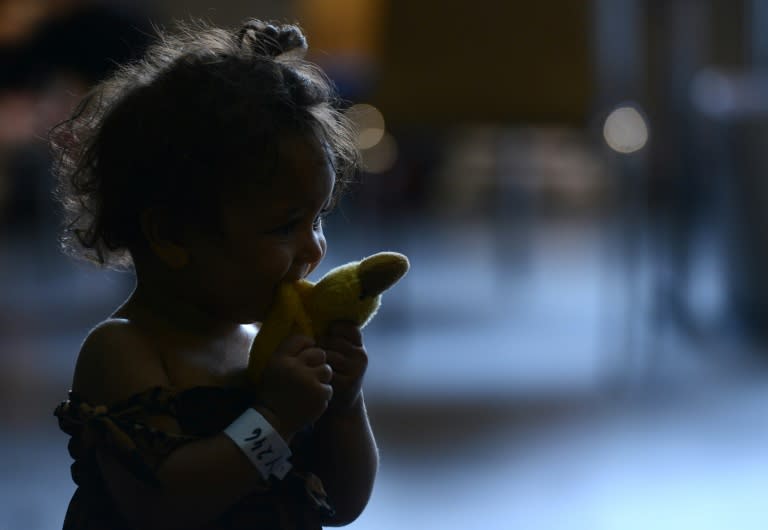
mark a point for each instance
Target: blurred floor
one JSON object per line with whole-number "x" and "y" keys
{"x": 501, "y": 389}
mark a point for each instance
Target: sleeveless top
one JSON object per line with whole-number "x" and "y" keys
{"x": 296, "y": 502}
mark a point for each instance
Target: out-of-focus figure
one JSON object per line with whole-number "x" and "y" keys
{"x": 51, "y": 51}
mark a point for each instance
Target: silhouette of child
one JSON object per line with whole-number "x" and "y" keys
{"x": 207, "y": 168}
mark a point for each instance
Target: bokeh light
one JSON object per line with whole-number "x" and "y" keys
{"x": 369, "y": 123}
{"x": 382, "y": 156}
{"x": 625, "y": 130}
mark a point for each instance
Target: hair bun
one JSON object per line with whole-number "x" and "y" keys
{"x": 272, "y": 40}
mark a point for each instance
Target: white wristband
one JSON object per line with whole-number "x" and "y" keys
{"x": 265, "y": 448}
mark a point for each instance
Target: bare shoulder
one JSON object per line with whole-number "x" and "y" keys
{"x": 116, "y": 361}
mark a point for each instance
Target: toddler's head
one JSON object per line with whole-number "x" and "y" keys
{"x": 207, "y": 115}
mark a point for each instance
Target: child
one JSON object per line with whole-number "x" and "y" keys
{"x": 207, "y": 168}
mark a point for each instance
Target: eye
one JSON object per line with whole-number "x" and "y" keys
{"x": 318, "y": 222}
{"x": 287, "y": 228}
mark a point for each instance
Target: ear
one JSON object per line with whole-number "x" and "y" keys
{"x": 170, "y": 252}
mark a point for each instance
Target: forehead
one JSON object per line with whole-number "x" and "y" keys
{"x": 302, "y": 175}
{"x": 303, "y": 165}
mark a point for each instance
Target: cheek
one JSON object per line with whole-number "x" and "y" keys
{"x": 259, "y": 278}
{"x": 240, "y": 282}
{"x": 254, "y": 269}
{"x": 270, "y": 263}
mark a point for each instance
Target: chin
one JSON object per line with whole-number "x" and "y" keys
{"x": 249, "y": 317}
{"x": 242, "y": 314}
{"x": 252, "y": 315}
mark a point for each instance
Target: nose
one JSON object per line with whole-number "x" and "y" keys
{"x": 312, "y": 249}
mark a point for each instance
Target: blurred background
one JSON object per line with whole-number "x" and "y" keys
{"x": 581, "y": 189}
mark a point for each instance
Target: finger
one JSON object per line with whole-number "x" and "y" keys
{"x": 327, "y": 392}
{"x": 346, "y": 358}
{"x": 336, "y": 360}
{"x": 313, "y": 356}
{"x": 342, "y": 346}
{"x": 295, "y": 344}
{"x": 344, "y": 384}
{"x": 347, "y": 330}
{"x": 339, "y": 379}
{"x": 324, "y": 373}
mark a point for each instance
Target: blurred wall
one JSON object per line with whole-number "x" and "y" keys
{"x": 456, "y": 61}
{"x": 228, "y": 13}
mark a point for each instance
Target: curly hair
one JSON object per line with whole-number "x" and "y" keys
{"x": 199, "y": 111}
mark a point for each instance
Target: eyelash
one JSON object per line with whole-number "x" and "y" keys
{"x": 291, "y": 226}
{"x": 318, "y": 222}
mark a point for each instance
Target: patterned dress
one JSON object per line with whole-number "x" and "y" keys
{"x": 296, "y": 502}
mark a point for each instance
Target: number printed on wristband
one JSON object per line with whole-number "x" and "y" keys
{"x": 266, "y": 453}
{"x": 264, "y": 447}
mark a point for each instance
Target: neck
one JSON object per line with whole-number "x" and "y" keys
{"x": 161, "y": 302}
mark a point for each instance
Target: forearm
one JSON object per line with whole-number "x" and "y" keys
{"x": 198, "y": 482}
{"x": 345, "y": 457}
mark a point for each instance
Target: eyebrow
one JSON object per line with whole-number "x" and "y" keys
{"x": 280, "y": 214}
{"x": 289, "y": 212}
{"x": 291, "y": 207}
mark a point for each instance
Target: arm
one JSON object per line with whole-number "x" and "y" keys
{"x": 344, "y": 452}
{"x": 346, "y": 459}
{"x": 199, "y": 480}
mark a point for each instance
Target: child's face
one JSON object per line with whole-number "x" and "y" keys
{"x": 272, "y": 232}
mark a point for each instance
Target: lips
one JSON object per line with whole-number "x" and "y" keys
{"x": 297, "y": 274}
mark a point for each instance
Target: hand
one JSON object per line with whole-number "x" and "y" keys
{"x": 344, "y": 350}
{"x": 295, "y": 385}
